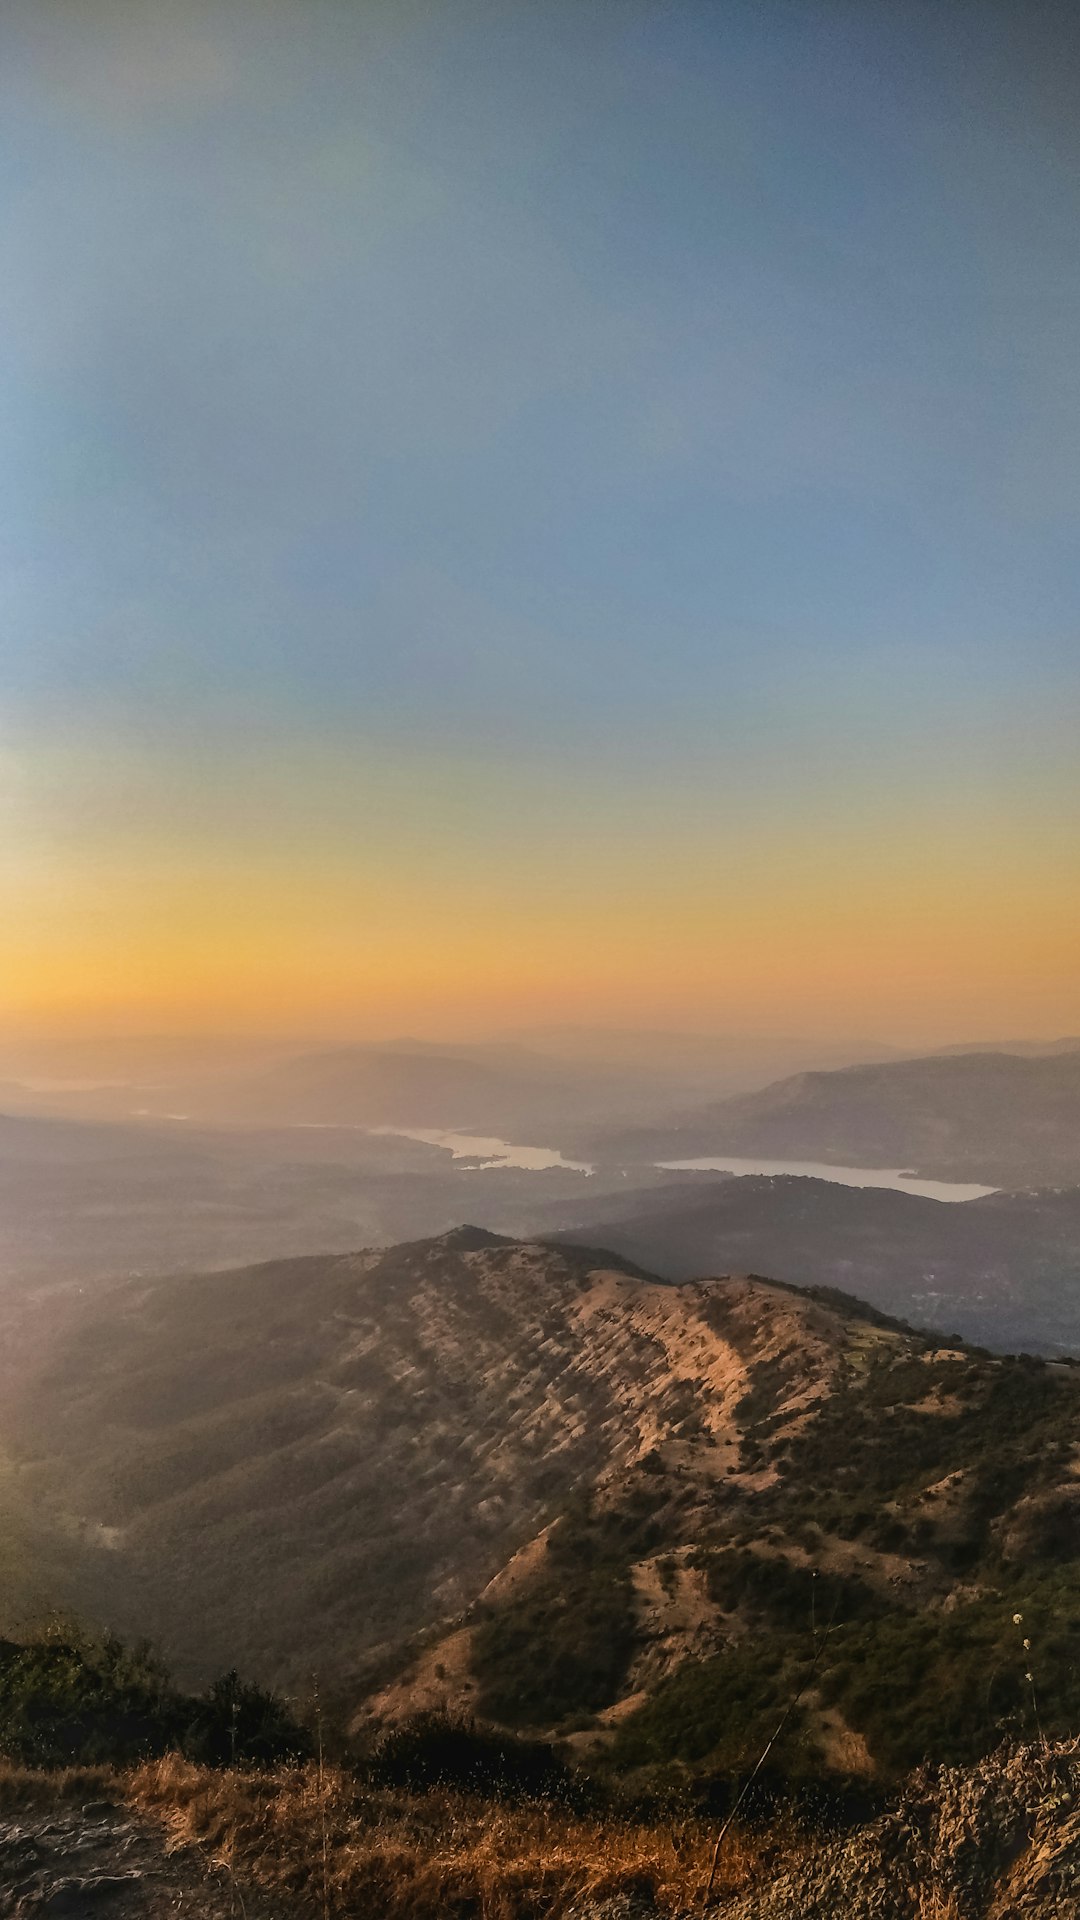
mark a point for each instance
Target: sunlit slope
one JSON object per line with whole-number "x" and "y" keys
{"x": 307, "y": 1460}
{"x": 536, "y": 1483}
{"x": 1003, "y": 1270}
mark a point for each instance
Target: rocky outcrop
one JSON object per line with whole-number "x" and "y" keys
{"x": 60, "y": 1861}
{"x": 998, "y": 1841}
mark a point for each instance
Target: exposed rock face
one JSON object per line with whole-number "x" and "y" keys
{"x": 999, "y": 1841}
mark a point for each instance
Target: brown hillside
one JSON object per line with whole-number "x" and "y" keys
{"x": 538, "y": 1484}
{"x": 300, "y": 1462}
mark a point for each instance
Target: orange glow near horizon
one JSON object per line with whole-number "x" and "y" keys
{"x": 836, "y": 926}
{"x": 290, "y": 883}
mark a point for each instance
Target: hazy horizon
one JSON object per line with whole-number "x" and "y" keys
{"x": 552, "y": 1036}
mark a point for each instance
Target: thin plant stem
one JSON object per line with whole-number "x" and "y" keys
{"x": 763, "y": 1756}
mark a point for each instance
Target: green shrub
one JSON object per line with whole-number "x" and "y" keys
{"x": 235, "y": 1722}
{"x": 438, "y": 1750}
{"x": 64, "y": 1702}
{"x": 68, "y": 1700}
{"x": 562, "y": 1648}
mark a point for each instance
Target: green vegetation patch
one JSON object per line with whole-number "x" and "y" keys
{"x": 66, "y": 1700}
{"x": 782, "y": 1593}
{"x": 948, "y": 1685}
{"x": 1006, "y": 1426}
{"x": 562, "y": 1647}
{"x": 716, "y": 1715}
{"x": 940, "y": 1685}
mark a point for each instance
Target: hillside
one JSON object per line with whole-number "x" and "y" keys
{"x": 1003, "y": 1119}
{"x": 356, "y": 1444}
{"x": 539, "y": 1484}
{"x": 1003, "y": 1271}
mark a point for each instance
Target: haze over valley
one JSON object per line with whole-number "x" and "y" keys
{"x": 362, "y": 1147}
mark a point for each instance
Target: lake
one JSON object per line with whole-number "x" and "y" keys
{"x": 487, "y": 1148}
{"x": 894, "y": 1177}
{"x": 495, "y": 1152}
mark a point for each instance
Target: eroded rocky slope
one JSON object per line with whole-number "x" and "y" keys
{"x": 356, "y": 1445}
{"x": 536, "y": 1483}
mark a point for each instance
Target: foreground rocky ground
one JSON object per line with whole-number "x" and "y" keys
{"x": 72, "y": 1861}
{"x": 999, "y": 1841}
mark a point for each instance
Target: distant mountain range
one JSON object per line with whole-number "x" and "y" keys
{"x": 482, "y": 1089}
{"x": 495, "y": 1089}
{"x": 93, "y": 1076}
{"x": 1000, "y": 1118}
{"x": 1003, "y": 1119}
{"x": 536, "y": 1483}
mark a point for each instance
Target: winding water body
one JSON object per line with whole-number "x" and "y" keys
{"x": 486, "y": 1148}
{"x": 490, "y": 1151}
{"x": 893, "y": 1177}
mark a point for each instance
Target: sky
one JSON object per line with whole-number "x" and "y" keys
{"x": 548, "y": 511}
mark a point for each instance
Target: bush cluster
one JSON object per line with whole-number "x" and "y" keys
{"x": 69, "y": 1700}
{"x": 437, "y": 1749}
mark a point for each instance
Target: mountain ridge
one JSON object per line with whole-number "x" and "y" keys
{"x": 539, "y": 1483}
{"x": 1004, "y": 1119}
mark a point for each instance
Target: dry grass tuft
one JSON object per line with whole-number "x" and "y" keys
{"x": 338, "y": 1847}
{"x": 26, "y": 1787}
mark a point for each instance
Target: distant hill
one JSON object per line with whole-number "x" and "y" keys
{"x": 1033, "y": 1049}
{"x": 998, "y": 1118}
{"x": 494, "y": 1089}
{"x": 705, "y": 1065}
{"x": 373, "y": 1086}
{"x": 484, "y": 1089}
{"x": 535, "y": 1483}
{"x": 1003, "y": 1271}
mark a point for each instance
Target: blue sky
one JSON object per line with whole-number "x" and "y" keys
{"x": 687, "y": 389}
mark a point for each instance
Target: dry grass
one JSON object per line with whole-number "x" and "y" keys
{"x": 26, "y": 1787}
{"x": 338, "y": 1848}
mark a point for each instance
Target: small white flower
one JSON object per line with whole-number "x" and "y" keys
{"x": 1029, "y": 1677}
{"x": 1027, "y": 1646}
{"x": 1018, "y": 1619}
